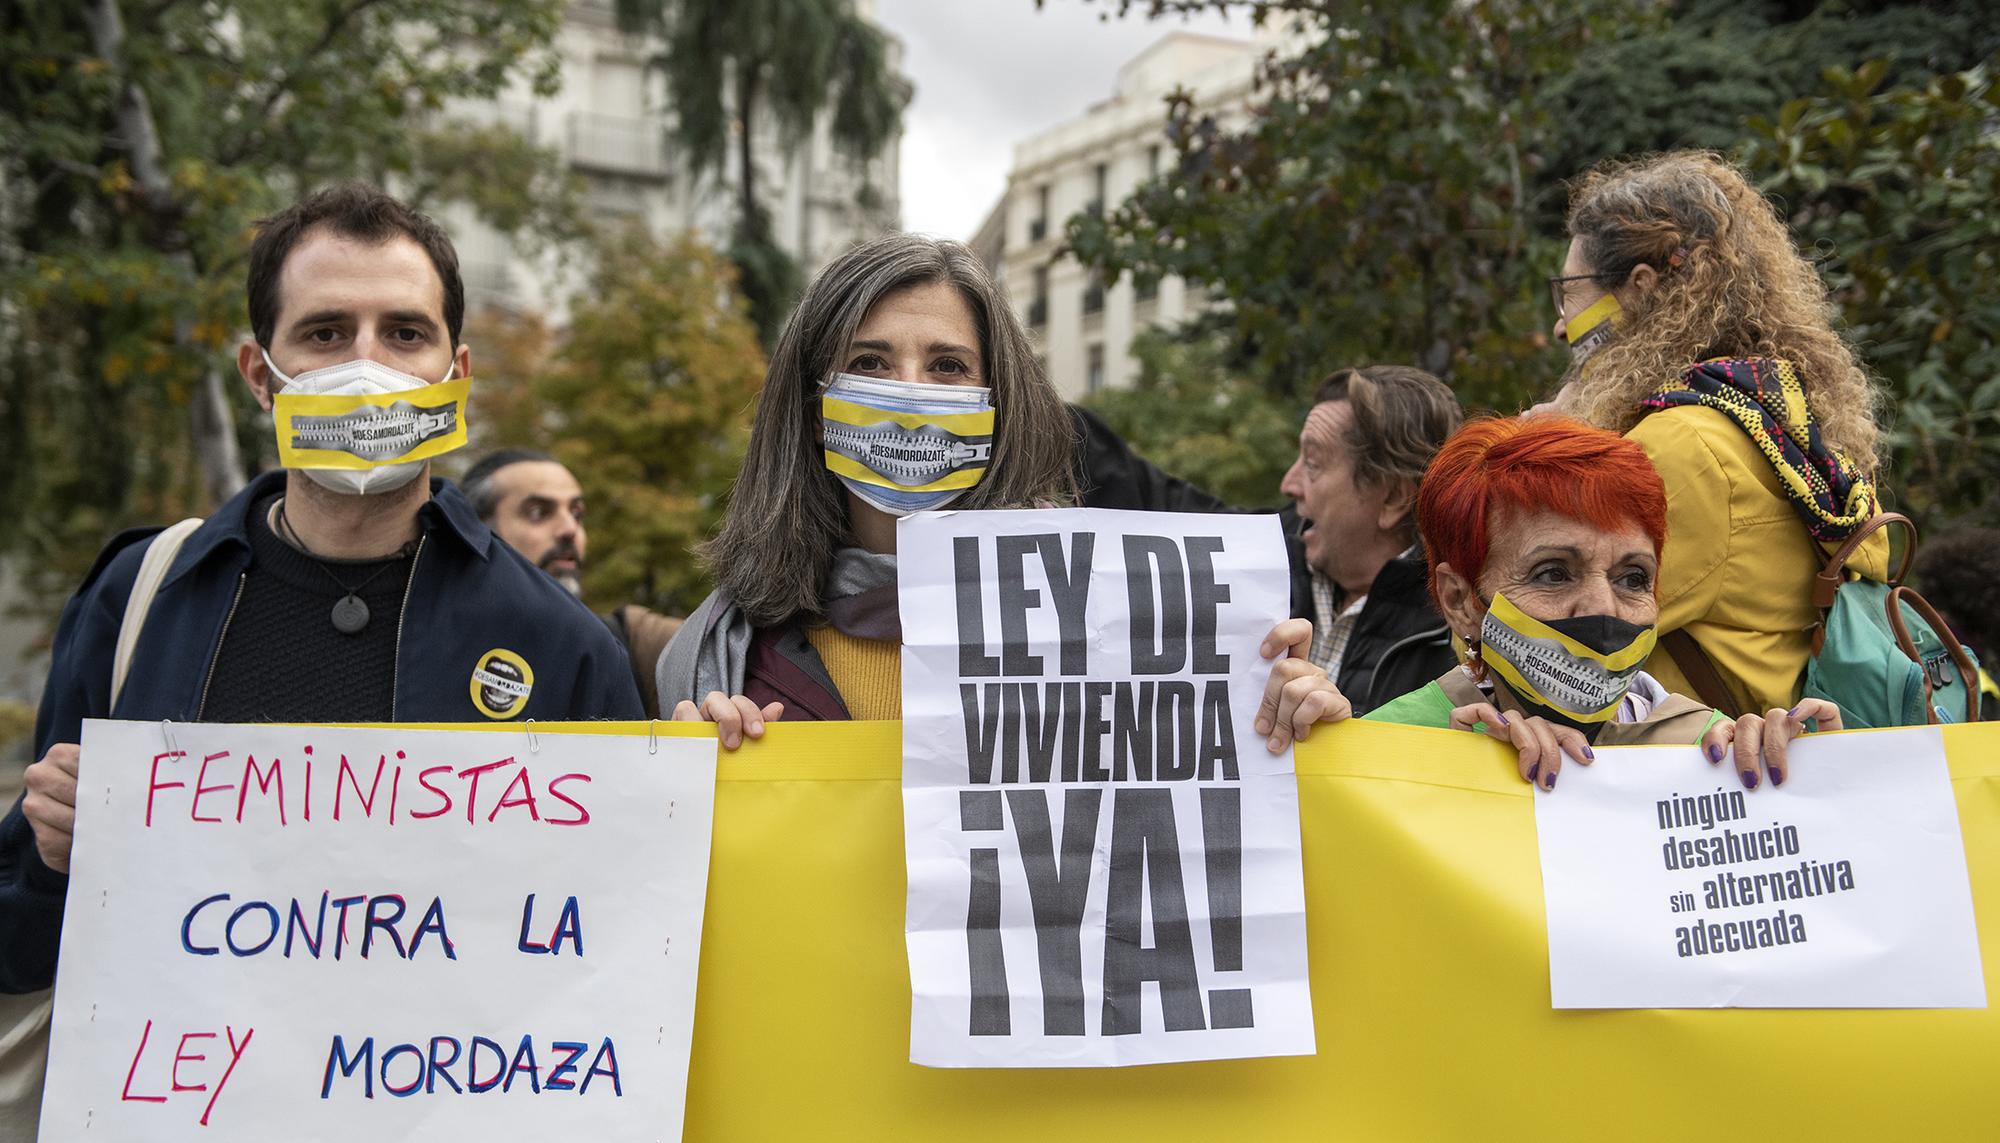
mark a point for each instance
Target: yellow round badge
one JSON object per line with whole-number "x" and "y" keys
{"x": 501, "y": 681}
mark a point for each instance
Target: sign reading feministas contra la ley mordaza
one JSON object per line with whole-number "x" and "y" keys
{"x": 334, "y": 933}
{"x": 1668, "y": 885}
{"x": 1103, "y": 856}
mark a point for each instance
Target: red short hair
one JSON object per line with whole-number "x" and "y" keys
{"x": 1527, "y": 463}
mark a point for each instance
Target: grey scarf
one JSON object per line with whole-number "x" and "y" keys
{"x": 712, "y": 650}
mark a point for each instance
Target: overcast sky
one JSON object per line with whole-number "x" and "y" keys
{"x": 989, "y": 73}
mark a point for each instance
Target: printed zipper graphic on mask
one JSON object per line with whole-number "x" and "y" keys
{"x": 909, "y": 457}
{"x": 377, "y": 433}
{"x": 1580, "y": 687}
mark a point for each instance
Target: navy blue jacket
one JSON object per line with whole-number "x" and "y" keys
{"x": 469, "y": 595}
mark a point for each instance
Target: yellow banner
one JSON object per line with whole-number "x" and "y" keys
{"x": 1430, "y": 981}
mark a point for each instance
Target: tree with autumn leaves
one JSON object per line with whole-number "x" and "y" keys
{"x": 140, "y": 142}
{"x": 138, "y": 145}
{"x": 646, "y": 396}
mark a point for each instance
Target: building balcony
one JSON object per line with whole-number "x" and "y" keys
{"x": 1038, "y": 229}
{"x": 1093, "y": 300}
{"x": 488, "y": 282}
{"x": 516, "y": 117}
{"x": 627, "y": 145}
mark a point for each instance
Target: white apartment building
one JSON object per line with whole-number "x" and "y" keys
{"x": 1085, "y": 327}
{"x": 611, "y": 125}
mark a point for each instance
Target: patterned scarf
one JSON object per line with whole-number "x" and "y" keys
{"x": 1765, "y": 397}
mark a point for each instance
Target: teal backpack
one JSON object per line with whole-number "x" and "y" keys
{"x": 1880, "y": 650}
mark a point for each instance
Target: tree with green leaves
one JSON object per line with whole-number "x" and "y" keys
{"x": 1697, "y": 78}
{"x": 1899, "y": 187}
{"x": 645, "y": 396}
{"x": 1378, "y": 203}
{"x": 138, "y": 144}
{"x": 1397, "y": 192}
{"x": 1191, "y": 411}
{"x": 734, "y": 68}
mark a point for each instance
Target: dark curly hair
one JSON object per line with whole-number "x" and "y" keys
{"x": 1959, "y": 572}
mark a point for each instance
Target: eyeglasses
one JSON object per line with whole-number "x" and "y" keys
{"x": 1557, "y": 284}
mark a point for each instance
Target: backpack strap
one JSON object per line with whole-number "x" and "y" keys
{"x": 152, "y": 572}
{"x": 1700, "y": 669}
{"x": 1827, "y": 583}
{"x": 1900, "y": 595}
{"x": 1701, "y": 673}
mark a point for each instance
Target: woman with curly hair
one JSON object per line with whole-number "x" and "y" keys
{"x": 1697, "y": 330}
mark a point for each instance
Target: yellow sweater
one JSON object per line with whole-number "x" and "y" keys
{"x": 1738, "y": 567}
{"x": 868, "y": 673}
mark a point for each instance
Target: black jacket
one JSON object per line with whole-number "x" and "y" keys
{"x": 1399, "y": 642}
{"x": 1110, "y": 475}
{"x": 470, "y": 597}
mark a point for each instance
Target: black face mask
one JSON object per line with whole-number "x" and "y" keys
{"x": 1573, "y": 672}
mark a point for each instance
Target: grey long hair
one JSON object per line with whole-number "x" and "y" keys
{"x": 787, "y": 514}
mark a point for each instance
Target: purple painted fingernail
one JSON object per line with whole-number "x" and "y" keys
{"x": 1749, "y": 779}
{"x": 1794, "y": 712}
{"x": 1714, "y": 752}
{"x": 1549, "y": 783}
{"x": 1503, "y": 716}
{"x": 1534, "y": 772}
{"x": 1589, "y": 753}
{"x": 1777, "y": 777}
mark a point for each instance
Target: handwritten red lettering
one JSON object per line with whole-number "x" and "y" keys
{"x": 235, "y": 1053}
{"x": 154, "y": 785}
{"x": 264, "y": 782}
{"x": 127, "y": 1095}
{"x": 347, "y": 776}
{"x": 507, "y": 797}
{"x": 582, "y": 815}
{"x": 182, "y": 1055}
{"x": 201, "y": 787}
{"x": 444, "y": 799}
{"x": 473, "y": 772}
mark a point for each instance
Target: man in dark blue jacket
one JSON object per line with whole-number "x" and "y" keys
{"x": 355, "y": 589}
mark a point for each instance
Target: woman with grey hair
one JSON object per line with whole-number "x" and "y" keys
{"x": 902, "y": 382}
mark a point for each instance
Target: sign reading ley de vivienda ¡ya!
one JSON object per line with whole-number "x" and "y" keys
{"x": 296, "y": 932}
{"x": 1103, "y": 856}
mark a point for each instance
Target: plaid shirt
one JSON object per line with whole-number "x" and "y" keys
{"x": 1331, "y": 628}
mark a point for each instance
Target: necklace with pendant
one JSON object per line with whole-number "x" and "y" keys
{"x": 350, "y": 613}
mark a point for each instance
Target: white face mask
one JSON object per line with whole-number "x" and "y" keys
{"x": 366, "y": 445}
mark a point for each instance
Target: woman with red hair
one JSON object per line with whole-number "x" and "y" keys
{"x": 1544, "y": 538}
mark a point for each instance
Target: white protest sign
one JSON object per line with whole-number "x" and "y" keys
{"x": 311, "y": 933}
{"x": 1103, "y": 855}
{"x": 1670, "y": 886}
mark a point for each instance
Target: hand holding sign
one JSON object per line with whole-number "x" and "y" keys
{"x": 1299, "y": 693}
{"x": 1753, "y": 741}
{"x": 50, "y": 804}
{"x": 319, "y": 932}
{"x": 1844, "y": 887}
{"x": 736, "y": 717}
{"x": 1758, "y": 742}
